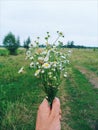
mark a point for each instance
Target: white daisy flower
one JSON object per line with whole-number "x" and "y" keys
{"x": 63, "y": 57}
{"x": 54, "y": 77}
{"x": 44, "y": 53}
{"x": 28, "y": 53}
{"x": 54, "y": 86}
{"x": 47, "y": 56}
{"x": 54, "y": 46}
{"x": 46, "y": 65}
{"x": 49, "y": 73}
{"x": 21, "y": 70}
{"x": 60, "y": 68}
{"x": 37, "y": 63}
{"x": 69, "y": 51}
{"x": 65, "y": 75}
{"x": 31, "y": 45}
{"x": 37, "y": 72}
{"x": 42, "y": 71}
{"x": 31, "y": 64}
{"x": 46, "y": 59}
{"x": 39, "y": 67}
{"x": 31, "y": 58}
{"x": 54, "y": 64}
{"x": 50, "y": 76}
{"x": 53, "y": 69}
{"x": 40, "y": 58}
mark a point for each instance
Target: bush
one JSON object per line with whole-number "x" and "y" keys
{"x": 11, "y": 43}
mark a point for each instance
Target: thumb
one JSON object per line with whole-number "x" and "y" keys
{"x": 55, "y": 107}
{"x": 44, "y": 107}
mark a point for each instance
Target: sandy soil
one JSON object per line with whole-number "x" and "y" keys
{"x": 93, "y": 79}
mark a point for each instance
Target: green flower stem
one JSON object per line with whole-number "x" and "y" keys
{"x": 51, "y": 93}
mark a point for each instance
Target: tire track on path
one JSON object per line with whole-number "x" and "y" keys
{"x": 91, "y": 76}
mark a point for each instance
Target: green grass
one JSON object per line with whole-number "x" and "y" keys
{"x": 20, "y": 95}
{"x": 83, "y": 102}
{"x": 87, "y": 58}
{"x": 4, "y": 52}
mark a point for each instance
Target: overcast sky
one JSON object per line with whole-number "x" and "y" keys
{"x": 77, "y": 19}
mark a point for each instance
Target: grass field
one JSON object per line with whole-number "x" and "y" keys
{"x": 20, "y": 95}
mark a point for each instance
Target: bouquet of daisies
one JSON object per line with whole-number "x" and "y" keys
{"x": 49, "y": 64}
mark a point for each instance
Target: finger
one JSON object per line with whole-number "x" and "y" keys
{"x": 58, "y": 117}
{"x": 44, "y": 107}
{"x": 55, "y": 107}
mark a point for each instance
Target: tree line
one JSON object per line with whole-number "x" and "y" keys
{"x": 12, "y": 43}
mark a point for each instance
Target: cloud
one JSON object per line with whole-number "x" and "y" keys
{"x": 77, "y": 19}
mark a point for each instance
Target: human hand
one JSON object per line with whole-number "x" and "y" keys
{"x": 49, "y": 118}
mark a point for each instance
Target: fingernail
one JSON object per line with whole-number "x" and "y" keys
{"x": 56, "y": 99}
{"x": 44, "y": 100}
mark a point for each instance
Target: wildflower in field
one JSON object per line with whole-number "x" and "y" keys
{"x": 44, "y": 52}
{"x": 49, "y": 73}
{"x": 48, "y": 64}
{"x": 28, "y": 53}
{"x": 31, "y": 45}
{"x": 41, "y": 60}
{"x": 31, "y": 58}
{"x": 54, "y": 64}
{"x": 65, "y": 74}
{"x": 31, "y": 64}
{"x": 63, "y": 57}
{"x": 46, "y": 59}
{"x": 37, "y": 72}
{"x": 21, "y": 70}
{"x": 42, "y": 71}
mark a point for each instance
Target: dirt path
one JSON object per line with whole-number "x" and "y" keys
{"x": 93, "y": 79}
{"x": 65, "y": 109}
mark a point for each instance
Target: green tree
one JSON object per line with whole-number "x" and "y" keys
{"x": 18, "y": 41}
{"x": 11, "y": 43}
{"x": 26, "y": 43}
{"x": 70, "y": 44}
